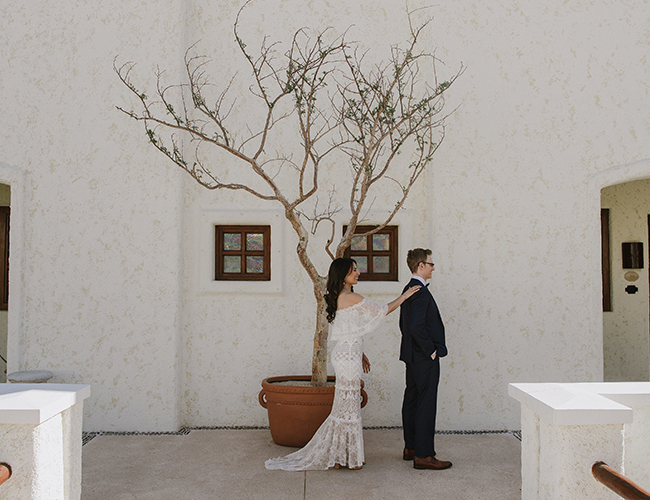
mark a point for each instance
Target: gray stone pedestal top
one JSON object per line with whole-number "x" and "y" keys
{"x": 30, "y": 376}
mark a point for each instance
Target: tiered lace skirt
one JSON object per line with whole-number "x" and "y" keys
{"x": 340, "y": 438}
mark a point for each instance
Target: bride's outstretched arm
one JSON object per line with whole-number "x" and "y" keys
{"x": 398, "y": 301}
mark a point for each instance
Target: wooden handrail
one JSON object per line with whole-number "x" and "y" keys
{"x": 5, "y": 472}
{"x": 618, "y": 483}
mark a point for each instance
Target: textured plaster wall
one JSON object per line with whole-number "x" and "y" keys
{"x": 114, "y": 291}
{"x": 637, "y": 439}
{"x": 45, "y": 458}
{"x": 567, "y": 455}
{"x": 102, "y": 221}
{"x": 556, "y": 459}
{"x": 542, "y": 108}
{"x": 236, "y": 336}
{"x": 625, "y": 329}
{"x": 36, "y": 452}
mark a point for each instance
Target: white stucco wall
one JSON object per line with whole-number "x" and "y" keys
{"x": 510, "y": 206}
{"x": 515, "y": 216}
{"x": 625, "y": 329}
{"x": 113, "y": 281}
{"x": 102, "y": 221}
{"x": 236, "y": 336}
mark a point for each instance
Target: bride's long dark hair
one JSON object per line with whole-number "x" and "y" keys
{"x": 339, "y": 269}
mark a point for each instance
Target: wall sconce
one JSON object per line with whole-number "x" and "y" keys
{"x": 633, "y": 255}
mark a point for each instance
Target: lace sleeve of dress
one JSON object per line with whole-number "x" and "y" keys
{"x": 357, "y": 320}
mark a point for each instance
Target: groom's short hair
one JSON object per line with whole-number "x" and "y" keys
{"x": 416, "y": 256}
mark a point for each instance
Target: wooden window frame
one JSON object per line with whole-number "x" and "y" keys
{"x": 4, "y": 255}
{"x": 606, "y": 260}
{"x": 220, "y": 253}
{"x": 392, "y": 254}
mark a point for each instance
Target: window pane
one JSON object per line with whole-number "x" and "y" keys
{"x": 232, "y": 264}
{"x": 254, "y": 241}
{"x": 375, "y": 254}
{"x": 362, "y": 263}
{"x": 254, "y": 264}
{"x": 380, "y": 242}
{"x": 380, "y": 264}
{"x": 232, "y": 241}
{"x": 359, "y": 243}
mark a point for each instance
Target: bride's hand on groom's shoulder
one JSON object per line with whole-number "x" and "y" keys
{"x": 411, "y": 291}
{"x": 400, "y": 300}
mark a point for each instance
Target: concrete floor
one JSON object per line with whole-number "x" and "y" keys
{"x": 229, "y": 464}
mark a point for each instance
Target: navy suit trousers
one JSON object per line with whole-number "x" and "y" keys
{"x": 420, "y": 405}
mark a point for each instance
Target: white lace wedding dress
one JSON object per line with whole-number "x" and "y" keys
{"x": 340, "y": 439}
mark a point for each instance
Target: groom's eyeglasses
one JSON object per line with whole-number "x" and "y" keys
{"x": 429, "y": 263}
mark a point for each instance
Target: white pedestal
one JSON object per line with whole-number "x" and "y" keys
{"x": 566, "y": 428}
{"x": 40, "y": 437}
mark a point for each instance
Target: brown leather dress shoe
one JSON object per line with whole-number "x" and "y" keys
{"x": 408, "y": 454}
{"x": 430, "y": 463}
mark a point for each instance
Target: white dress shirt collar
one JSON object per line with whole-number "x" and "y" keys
{"x": 416, "y": 277}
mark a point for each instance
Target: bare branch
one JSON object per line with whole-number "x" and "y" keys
{"x": 383, "y": 122}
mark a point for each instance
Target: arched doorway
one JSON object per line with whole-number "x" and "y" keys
{"x": 626, "y": 325}
{"x": 623, "y": 191}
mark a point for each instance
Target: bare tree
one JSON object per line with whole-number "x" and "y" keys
{"x": 337, "y": 106}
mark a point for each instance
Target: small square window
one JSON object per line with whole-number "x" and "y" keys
{"x": 376, "y": 255}
{"x": 243, "y": 253}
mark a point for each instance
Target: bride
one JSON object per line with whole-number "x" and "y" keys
{"x": 339, "y": 441}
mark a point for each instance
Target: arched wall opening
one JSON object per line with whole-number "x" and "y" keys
{"x": 12, "y": 188}
{"x": 626, "y": 330}
{"x": 623, "y": 197}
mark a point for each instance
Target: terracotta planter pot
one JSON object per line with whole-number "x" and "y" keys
{"x": 296, "y": 412}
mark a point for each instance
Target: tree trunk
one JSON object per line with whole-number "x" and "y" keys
{"x": 319, "y": 359}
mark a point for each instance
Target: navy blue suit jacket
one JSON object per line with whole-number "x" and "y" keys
{"x": 421, "y": 325}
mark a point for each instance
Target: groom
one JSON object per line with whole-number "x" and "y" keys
{"x": 423, "y": 344}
